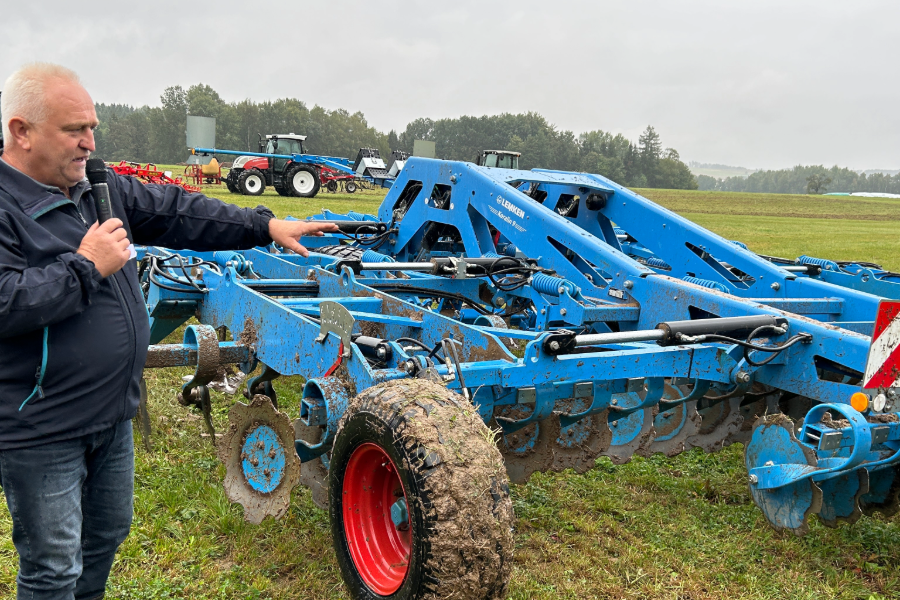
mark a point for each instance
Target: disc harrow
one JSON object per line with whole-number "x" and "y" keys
{"x": 574, "y": 318}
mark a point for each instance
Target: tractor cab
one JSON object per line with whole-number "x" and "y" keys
{"x": 500, "y": 159}
{"x": 284, "y": 144}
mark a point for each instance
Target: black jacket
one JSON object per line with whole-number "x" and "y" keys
{"x": 72, "y": 343}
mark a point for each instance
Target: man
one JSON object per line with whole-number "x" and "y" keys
{"x": 74, "y": 330}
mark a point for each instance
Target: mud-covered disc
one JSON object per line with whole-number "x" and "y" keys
{"x": 262, "y": 466}
{"x": 773, "y": 443}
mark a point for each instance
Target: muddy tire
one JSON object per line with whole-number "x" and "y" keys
{"x": 251, "y": 182}
{"x": 302, "y": 181}
{"x": 419, "y": 499}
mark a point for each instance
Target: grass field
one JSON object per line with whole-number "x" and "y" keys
{"x": 654, "y": 528}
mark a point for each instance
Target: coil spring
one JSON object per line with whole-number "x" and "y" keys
{"x": 739, "y": 243}
{"x": 619, "y": 231}
{"x": 547, "y": 284}
{"x": 237, "y": 260}
{"x": 370, "y": 256}
{"x": 658, "y": 263}
{"x": 356, "y": 216}
{"x": 713, "y": 285}
{"x": 493, "y": 255}
{"x": 828, "y": 265}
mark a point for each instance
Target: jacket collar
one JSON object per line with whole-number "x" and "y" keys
{"x": 33, "y": 197}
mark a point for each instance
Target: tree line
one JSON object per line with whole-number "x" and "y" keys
{"x": 157, "y": 134}
{"x": 805, "y": 179}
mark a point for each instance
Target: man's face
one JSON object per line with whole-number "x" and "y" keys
{"x": 60, "y": 145}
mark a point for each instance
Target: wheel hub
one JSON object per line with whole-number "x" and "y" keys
{"x": 376, "y": 519}
{"x": 303, "y": 182}
{"x": 253, "y": 183}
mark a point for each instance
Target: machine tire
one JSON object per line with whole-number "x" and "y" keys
{"x": 281, "y": 190}
{"x": 331, "y": 186}
{"x": 348, "y": 252}
{"x": 251, "y": 182}
{"x": 350, "y": 187}
{"x": 415, "y": 442}
{"x": 302, "y": 181}
{"x": 229, "y": 183}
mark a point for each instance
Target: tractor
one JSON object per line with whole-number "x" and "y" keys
{"x": 251, "y": 174}
{"x": 501, "y": 159}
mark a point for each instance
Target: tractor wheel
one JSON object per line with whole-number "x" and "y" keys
{"x": 350, "y": 187}
{"x": 229, "y": 183}
{"x": 302, "y": 181}
{"x": 252, "y": 182}
{"x": 282, "y": 191}
{"x": 419, "y": 499}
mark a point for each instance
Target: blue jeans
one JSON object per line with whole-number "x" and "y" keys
{"x": 71, "y": 505}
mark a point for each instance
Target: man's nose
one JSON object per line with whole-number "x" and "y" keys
{"x": 87, "y": 142}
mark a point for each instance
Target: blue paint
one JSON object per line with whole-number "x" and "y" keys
{"x": 620, "y": 263}
{"x": 263, "y": 459}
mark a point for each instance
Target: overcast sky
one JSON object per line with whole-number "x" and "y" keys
{"x": 762, "y": 84}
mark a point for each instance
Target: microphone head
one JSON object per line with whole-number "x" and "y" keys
{"x": 96, "y": 170}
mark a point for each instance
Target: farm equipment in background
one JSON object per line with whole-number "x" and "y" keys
{"x": 396, "y": 161}
{"x": 335, "y": 181}
{"x": 571, "y": 316}
{"x": 210, "y": 173}
{"x": 149, "y": 173}
{"x": 282, "y": 162}
{"x": 500, "y": 159}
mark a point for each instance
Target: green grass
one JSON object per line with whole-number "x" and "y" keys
{"x": 654, "y": 528}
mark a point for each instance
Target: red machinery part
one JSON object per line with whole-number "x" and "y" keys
{"x": 149, "y": 173}
{"x": 379, "y": 548}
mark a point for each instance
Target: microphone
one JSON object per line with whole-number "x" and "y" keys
{"x": 96, "y": 174}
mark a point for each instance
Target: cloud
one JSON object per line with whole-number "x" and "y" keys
{"x": 760, "y": 84}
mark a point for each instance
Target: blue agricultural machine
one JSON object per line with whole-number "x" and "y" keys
{"x": 489, "y": 323}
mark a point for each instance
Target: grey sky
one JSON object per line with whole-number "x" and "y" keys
{"x": 765, "y": 84}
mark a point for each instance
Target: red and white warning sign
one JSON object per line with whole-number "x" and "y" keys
{"x": 883, "y": 365}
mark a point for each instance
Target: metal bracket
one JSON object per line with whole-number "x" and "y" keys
{"x": 262, "y": 384}
{"x": 459, "y": 268}
{"x": 205, "y": 341}
{"x": 337, "y": 320}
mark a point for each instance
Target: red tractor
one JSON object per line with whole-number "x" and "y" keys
{"x": 290, "y": 176}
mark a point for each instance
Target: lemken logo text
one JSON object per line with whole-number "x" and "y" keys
{"x": 510, "y": 207}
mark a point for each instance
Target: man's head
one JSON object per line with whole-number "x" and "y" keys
{"x": 48, "y": 123}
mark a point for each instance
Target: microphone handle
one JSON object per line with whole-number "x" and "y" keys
{"x": 100, "y": 191}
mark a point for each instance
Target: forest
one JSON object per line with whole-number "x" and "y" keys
{"x": 798, "y": 181}
{"x": 157, "y": 134}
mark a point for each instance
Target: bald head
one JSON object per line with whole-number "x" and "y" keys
{"x": 48, "y": 122}
{"x": 24, "y": 93}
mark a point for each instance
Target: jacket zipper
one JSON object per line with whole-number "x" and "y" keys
{"x": 130, "y": 323}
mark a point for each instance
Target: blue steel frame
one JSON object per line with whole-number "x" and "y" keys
{"x": 596, "y": 287}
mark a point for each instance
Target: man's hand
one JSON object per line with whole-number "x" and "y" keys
{"x": 106, "y": 246}
{"x": 286, "y": 233}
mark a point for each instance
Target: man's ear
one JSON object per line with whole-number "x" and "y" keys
{"x": 20, "y": 130}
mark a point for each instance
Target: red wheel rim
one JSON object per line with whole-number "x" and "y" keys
{"x": 379, "y": 549}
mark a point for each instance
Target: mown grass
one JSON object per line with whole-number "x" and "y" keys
{"x": 654, "y": 528}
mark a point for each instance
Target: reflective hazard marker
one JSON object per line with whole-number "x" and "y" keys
{"x": 883, "y": 364}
